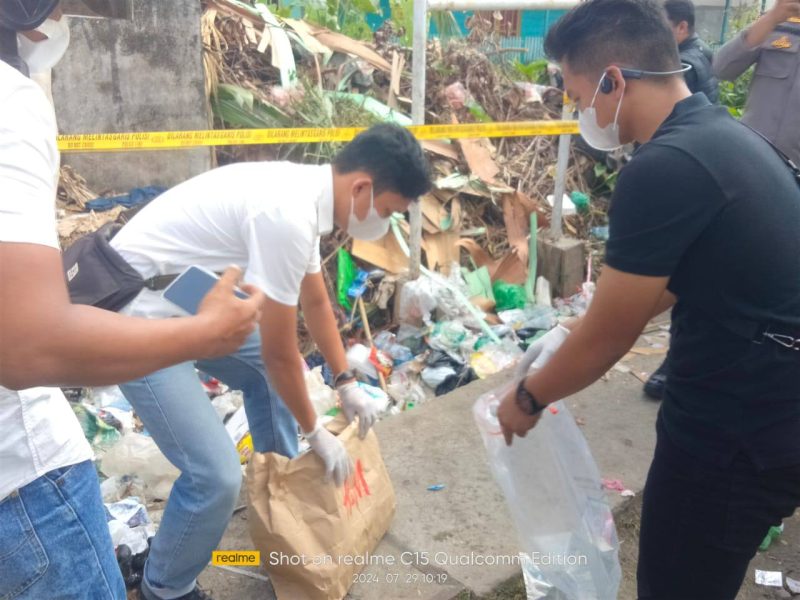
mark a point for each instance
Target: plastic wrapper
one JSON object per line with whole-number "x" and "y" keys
{"x": 530, "y": 317}
{"x": 108, "y": 396}
{"x": 412, "y": 338}
{"x": 568, "y": 542}
{"x": 417, "y": 302}
{"x": 116, "y": 488}
{"x": 239, "y": 430}
{"x": 100, "y": 432}
{"x": 136, "y": 454}
{"x": 419, "y": 299}
{"x": 405, "y": 389}
{"x": 387, "y": 342}
{"x": 228, "y": 403}
{"x": 578, "y": 304}
{"x": 129, "y": 511}
{"x": 433, "y": 376}
{"x": 133, "y": 537}
{"x": 377, "y": 394}
{"x": 448, "y": 336}
{"x": 358, "y": 359}
{"x": 322, "y": 397}
{"x": 493, "y": 358}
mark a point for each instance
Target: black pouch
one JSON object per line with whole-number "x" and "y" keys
{"x": 97, "y": 275}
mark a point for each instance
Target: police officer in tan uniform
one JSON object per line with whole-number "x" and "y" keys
{"x": 773, "y": 44}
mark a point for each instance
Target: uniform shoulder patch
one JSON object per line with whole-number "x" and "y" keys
{"x": 782, "y": 42}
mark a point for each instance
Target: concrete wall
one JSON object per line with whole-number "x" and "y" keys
{"x": 143, "y": 74}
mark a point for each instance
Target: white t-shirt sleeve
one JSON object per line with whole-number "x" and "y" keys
{"x": 280, "y": 252}
{"x": 29, "y": 163}
{"x": 315, "y": 264}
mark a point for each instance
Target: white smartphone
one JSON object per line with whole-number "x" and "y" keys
{"x": 191, "y": 286}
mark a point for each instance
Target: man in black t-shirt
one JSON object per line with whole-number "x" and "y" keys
{"x": 705, "y": 217}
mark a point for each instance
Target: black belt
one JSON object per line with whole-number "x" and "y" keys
{"x": 161, "y": 282}
{"x": 786, "y": 335}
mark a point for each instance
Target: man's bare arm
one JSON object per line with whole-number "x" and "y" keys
{"x": 321, "y": 321}
{"x": 46, "y": 340}
{"x": 622, "y": 306}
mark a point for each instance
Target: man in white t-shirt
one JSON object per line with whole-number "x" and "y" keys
{"x": 54, "y": 539}
{"x": 266, "y": 218}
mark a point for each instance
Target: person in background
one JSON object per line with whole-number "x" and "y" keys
{"x": 690, "y": 227}
{"x": 54, "y": 539}
{"x": 693, "y": 51}
{"x": 772, "y": 44}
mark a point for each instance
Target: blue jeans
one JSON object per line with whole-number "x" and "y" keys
{"x": 176, "y": 411}
{"x": 54, "y": 540}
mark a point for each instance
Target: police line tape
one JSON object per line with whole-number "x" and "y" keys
{"x": 168, "y": 140}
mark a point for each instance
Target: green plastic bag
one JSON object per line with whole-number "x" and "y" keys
{"x": 508, "y": 296}
{"x": 346, "y": 273}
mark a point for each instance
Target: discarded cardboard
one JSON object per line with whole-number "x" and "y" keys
{"x": 478, "y": 154}
{"x": 341, "y": 43}
{"x": 517, "y": 225}
{"x": 304, "y": 32}
{"x": 385, "y": 253}
{"x": 441, "y": 250}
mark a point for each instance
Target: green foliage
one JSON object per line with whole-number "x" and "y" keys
{"x": 534, "y": 72}
{"x": 344, "y": 16}
{"x": 238, "y": 107}
{"x": 605, "y": 180}
{"x": 403, "y": 17}
{"x": 733, "y": 94}
{"x": 282, "y": 9}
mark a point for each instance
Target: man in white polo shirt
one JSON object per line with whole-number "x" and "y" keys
{"x": 266, "y": 218}
{"x": 54, "y": 540}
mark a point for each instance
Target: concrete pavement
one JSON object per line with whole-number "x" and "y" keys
{"x": 442, "y": 535}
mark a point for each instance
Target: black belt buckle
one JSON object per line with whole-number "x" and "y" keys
{"x": 787, "y": 341}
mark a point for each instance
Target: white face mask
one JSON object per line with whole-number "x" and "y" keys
{"x": 601, "y": 138}
{"x": 373, "y": 227}
{"x": 44, "y": 55}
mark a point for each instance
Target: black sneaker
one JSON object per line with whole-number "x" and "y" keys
{"x": 657, "y": 382}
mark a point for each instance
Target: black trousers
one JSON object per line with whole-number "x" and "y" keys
{"x": 702, "y": 524}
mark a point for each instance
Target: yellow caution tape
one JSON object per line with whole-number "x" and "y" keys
{"x": 167, "y": 140}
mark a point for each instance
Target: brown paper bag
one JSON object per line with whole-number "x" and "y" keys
{"x": 311, "y": 534}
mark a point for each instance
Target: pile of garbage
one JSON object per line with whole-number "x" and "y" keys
{"x": 489, "y": 199}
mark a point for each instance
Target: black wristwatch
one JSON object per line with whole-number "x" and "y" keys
{"x": 342, "y": 377}
{"x": 526, "y": 402}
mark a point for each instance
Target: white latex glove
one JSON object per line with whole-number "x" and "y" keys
{"x": 338, "y": 465}
{"x": 540, "y": 351}
{"x": 357, "y": 402}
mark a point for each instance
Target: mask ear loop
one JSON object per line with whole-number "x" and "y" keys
{"x": 619, "y": 106}
{"x": 597, "y": 90}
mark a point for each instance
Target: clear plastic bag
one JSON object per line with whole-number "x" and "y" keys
{"x": 136, "y": 454}
{"x": 569, "y": 546}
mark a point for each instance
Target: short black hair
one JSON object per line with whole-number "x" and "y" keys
{"x": 392, "y": 156}
{"x": 679, "y": 11}
{"x": 626, "y": 33}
